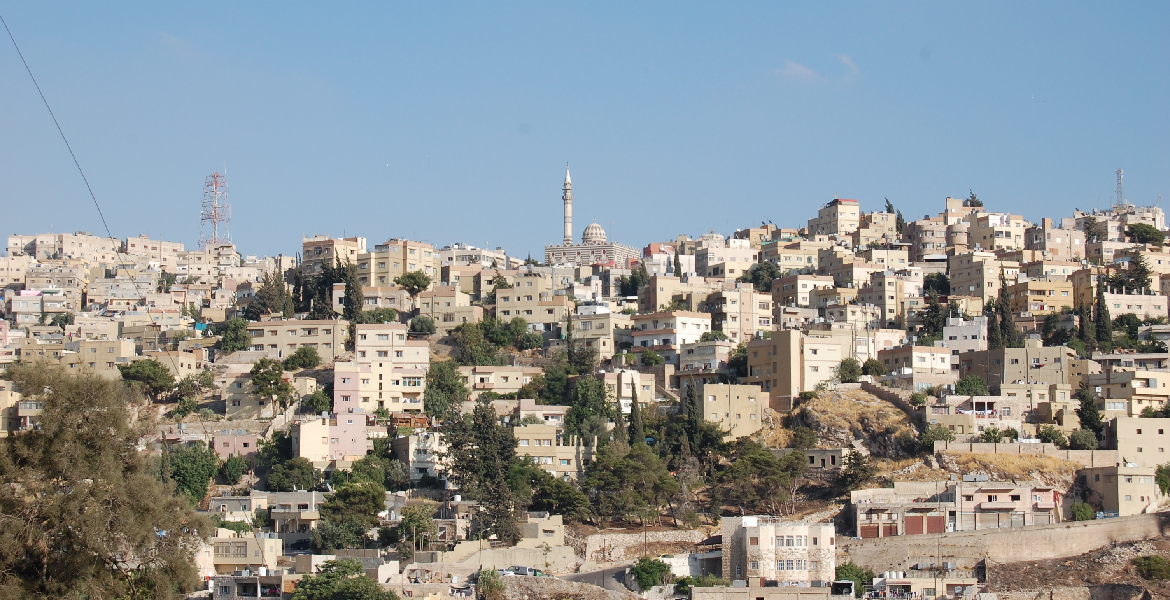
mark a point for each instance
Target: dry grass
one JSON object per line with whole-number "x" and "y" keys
{"x": 1014, "y": 466}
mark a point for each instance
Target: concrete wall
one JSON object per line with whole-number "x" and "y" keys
{"x": 1087, "y": 458}
{"x": 1113, "y": 591}
{"x": 895, "y": 396}
{"x": 1014, "y": 544}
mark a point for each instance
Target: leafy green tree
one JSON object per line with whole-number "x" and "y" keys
{"x": 934, "y": 433}
{"x": 233, "y": 469}
{"x": 360, "y": 501}
{"x": 1051, "y": 435}
{"x": 934, "y": 317}
{"x": 757, "y": 481}
{"x": 1088, "y": 412}
{"x": 472, "y": 347}
{"x": 343, "y": 579}
{"x": 268, "y": 381}
{"x": 415, "y": 282}
{"x": 849, "y": 371}
{"x": 860, "y": 576}
{"x": 83, "y": 511}
{"x": 186, "y": 406}
{"x": 1144, "y": 233}
{"x": 423, "y": 324}
{"x": 1083, "y": 512}
{"x": 272, "y": 297}
{"x": 305, "y": 357}
{"x": 380, "y": 468}
{"x": 151, "y": 374}
{"x": 873, "y": 367}
{"x": 713, "y": 336}
{"x": 1094, "y": 230}
{"x": 1162, "y": 478}
{"x": 651, "y": 358}
{"x": 418, "y": 523}
{"x": 971, "y": 385}
{"x": 292, "y": 475}
{"x": 624, "y": 484}
{"x": 377, "y": 316}
{"x": 857, "y": 471}
{"x": 1083, "y": 439}
{"x": 482, "y": 452}
{"x": 803, "y": 438}
{"x": 589, "y": 399}
{"x": 330, "y": 536}
{"x": 649, "y": 572}
{"x": 62, "y": 320}
{"x": 559, "y": 497}
{"x": 489, "y": 585}
{"x": 316, "y": 403}
{"x": 761, "y": 275}
{"x": 445, "y": 389}
{"x": 235, "y": 336}
{"x": 192, "y": 468}
{"x": 937, "y": 284}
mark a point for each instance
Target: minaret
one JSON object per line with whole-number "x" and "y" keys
{"x": 567, "y": 196}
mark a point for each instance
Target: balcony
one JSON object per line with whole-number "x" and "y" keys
{"x": 997, "y": 506}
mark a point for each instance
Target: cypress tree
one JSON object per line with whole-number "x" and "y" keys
{"x": 994, "y": 342}
{"x": 1101, "y": 320}
{"x": 1009, "y": 335}
{"x": 637, "y": 429}
{"x": 677, "y": 265}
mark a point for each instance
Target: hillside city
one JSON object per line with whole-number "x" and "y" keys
{"x": 861, "y": 404}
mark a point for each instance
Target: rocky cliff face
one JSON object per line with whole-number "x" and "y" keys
{"x": 857, "y": 419}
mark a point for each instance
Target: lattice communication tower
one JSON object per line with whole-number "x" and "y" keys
{"x": 216, "y": 213}
{"x": 1120, "y": 186}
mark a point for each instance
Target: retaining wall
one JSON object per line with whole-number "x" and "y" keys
{"x": 1087, "y": 458}
{"x": 1015, "y": 544}
{"x": 606, "y": 547}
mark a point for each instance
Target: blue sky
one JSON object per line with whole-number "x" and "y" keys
{"x": 453, "y": 121}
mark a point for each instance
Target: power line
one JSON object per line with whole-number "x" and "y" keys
{"x": 59, "y": 130}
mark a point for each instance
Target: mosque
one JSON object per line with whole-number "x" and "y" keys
{"x": 594, "y": 249}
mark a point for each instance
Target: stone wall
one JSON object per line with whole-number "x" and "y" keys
{"x": 1096, "y": 592}
{"x": 898, "y": 397}
{"x": 1088, "y": 458}
{"x": 542, "y": 588}
{"x": 1040, "y": 542}
{"x": 613, "y": 547}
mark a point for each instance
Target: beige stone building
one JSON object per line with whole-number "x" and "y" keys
{"x": 280, "y": 338}
{"x": 997, "y": 231}
{"x": 796, "y": 290}
{"x": 876, "y": 227}
{"x": 233, "y": 551}
{"x": 1060, "y": 242}
{"x": 1034, "y": 363}
{"x": 839, "y": 217}
{"x": 321, "y": 250}
{"x": 449, "y": 306}
{"x": 740, "y": 312}
{"x": 1041, "y": 296}
{"x": 1124, "y": 490}
{"x": 977, "y": 274}
{"x": 543, "y": 445}
{"x": 739, "y": 409}
{"x": 665, "y": 332}
{"x": 596, "y": 326}
{"x": 1141, "y": 441}
{"x": 766, "y": 548}
{"x": 397, "y": 367}
{"x": 13, "y": 269}
{"x": 791, "y": 362}
{"x": 505, "y": 380}
{"x": 394, "y": 258}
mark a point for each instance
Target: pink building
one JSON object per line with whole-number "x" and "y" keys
{"x": 238, "y": 442}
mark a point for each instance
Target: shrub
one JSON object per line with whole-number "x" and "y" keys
{"x": 1153, "y": 567}
{"x": 422, "y": 324}
{"x": 683, "y": 585}
{"x": 650, "y": 572}
{"x": 849, "y": 371}
{"x": 803, "y": 438}
{"x": 859, "y": 575}
{"x": 971, "y": 385}
{"x": 1083, "y": 512}
{"x": 873, "y": 367}
{"x": 808, "y": 396}
{"x": 1051, "y": 435}
{"x": 304, "y": 358}
{"x": 233, "y": 469}
{"x": 186, "y": 406}
{"x": 489, "y": 586}
{"x": 917, "y": 399}
{"x": 934, "y": 433}
{"x": 651, "y": 358}
{"x": 1082, "y": 439}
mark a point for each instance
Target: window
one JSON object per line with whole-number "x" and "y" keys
{"x": 754, "y": 565}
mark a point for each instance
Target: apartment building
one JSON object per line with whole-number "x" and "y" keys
{"x": 330, "y": 440}
{"x": 841, "y": 216}
{"x": 960, "y": 336}
{"x": 665, "y": 332}
{"x": 280, "y": 338}
{"x": 876, "y": 227}
{"x": 662, "y": 289}
{"x": 1034, "y": 363}
{"x": 791, "y": 362}
{"x": 397, "y": 365}
{"x": 1140, "y": 441}
{"x": 425, "y": 454}
{"x": 914, "y": 508}
{"x": 1118, "y": 218}
{"x": 1126, "y": 393}
{"x": 13, "y": 269}
{"x": 449, "y": 306}
{"x": 740, "y": 312}
{"x": 98, "y": 356}
{"x": 886, "y": 291}
{"x": 796, "y": 290}
{"x": 765, "y": 548}
{"x": 739, "y": 409}
{"x": 544, "y": 311}
{"x": 1041, "y": 296}
{"x": 504, "y": 381}
{"x": 624, "y": 384}
{"x": 206, "y": 265}
{"x": 998, "y": 231}
{"x": 596, "y": 326}
{"x": 1060, "y": 242}
{"x": 294, "y": 514}
{"x": 977, "y": 274}
{"x": 793, "y": 256}
{"x": 464, "y": 254}
{"x": 158, "y": 254}
{"x": 1050, "y": 269}
{"x": 394, "y": 258}
{"x": 729, "y": 259}
{"x": 1124, "y": 490}
{"x": 392, "y": 296}
{"x": 542, "y": 444}
{"x": 321, "y": 250}
{"x": 704, "y": 362}
{"x": 231, "y": 551}
{"x": 923, "y": 365}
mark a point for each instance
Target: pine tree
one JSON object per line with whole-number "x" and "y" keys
{"x": 637, "y": 429}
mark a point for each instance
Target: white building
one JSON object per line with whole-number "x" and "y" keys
{"x": 792, "y": 554}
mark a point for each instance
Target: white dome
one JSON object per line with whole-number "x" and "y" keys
{"x": 594, "y": 234}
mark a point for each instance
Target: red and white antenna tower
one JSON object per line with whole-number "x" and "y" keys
{"x": 216, "y": 212}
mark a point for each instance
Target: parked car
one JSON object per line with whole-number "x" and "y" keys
{"x": 526, "y": 571}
